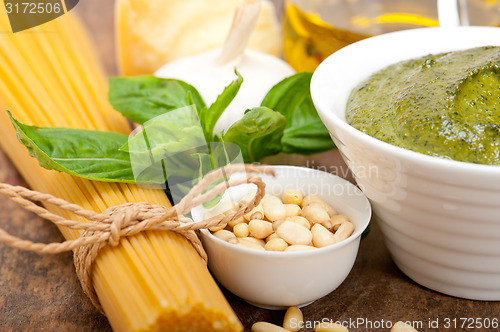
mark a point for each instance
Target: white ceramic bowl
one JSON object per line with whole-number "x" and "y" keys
{"x": 277, "y": 280}
{"x": 440, "y": 218}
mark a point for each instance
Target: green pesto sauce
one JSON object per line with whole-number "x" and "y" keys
{"x": 445, "y": 105}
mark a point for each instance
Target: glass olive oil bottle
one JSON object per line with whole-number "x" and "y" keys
{"x": 314, "y": 29}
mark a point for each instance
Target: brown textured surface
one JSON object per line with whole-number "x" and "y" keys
{"x": 43, "y": 294}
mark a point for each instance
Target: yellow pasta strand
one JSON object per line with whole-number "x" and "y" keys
{"x": 49, "y": 76}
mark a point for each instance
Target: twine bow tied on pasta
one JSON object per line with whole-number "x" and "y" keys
{"x": 108, "y": 227}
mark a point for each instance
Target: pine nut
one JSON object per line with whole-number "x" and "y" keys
{"x": 272, "y": 236}
{"x": 256, "y": 213}
{"x": 322, "y": 237}
{"x": 299, "y": 247}
{"x": 301, "y": 221}
{"x": 246, "y": 242}
{"x": 294, "y": 233}
{"x": 331, "y": 211}
{"x": 293, "y": 319}
{"x": 217, "y": 228}
{"x": 276, "y": 244}
{"x": 273, "y": 208}
{"x": 250, "y": 245}
{"x": 241, "y": 230}
{"x": 338, "y": 220}
{"x": 402, "y": 327}
{"x": 345, "y": 230}
{"x": 267, "y": 327}
{"x": 277, "y": 223}
{"x": 292, "y": 196}
{"x": 233, "y": 240}
{"x": 250, "y": 239}
{"x": 260, "y": 229}
{"x": 330, "y": 327}
{"x": 311, "y": 198}
{"x": 316, "y": 213}
{"x": 292, "y": 210}
{"x": 224, "y": 234}
{"x": 235, "y": 222}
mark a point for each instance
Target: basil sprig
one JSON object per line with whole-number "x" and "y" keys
{"x": 286, "y": 121}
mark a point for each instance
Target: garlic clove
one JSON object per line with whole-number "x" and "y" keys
{"x": 260, "y": 73}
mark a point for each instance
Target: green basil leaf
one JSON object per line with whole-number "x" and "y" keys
{"x": 90, "y": 154}
{"x": 176, "y": 131}
{"x": 258, "y": 133}
{"x": 307, "y": 139}
{"x": 145, "y": 97}
{"x": 225, "y": 153}
{"x": 170, "y": 144}
{"x": 305, "y": 133}
{"x": 209, "y": 116}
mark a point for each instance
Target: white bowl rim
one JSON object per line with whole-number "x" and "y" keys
{"x": 410, "y": 155}
{"x": 268, "y": 253}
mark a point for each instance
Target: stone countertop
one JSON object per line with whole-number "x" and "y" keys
{"x": 42, "y": 293}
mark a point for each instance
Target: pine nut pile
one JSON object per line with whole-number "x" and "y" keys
{"x": 294, "y": 320}
{"x": 292, "y": 223}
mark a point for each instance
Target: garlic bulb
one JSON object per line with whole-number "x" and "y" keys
{"x": 260, "y": 73}
{"x": 210, "y": 72}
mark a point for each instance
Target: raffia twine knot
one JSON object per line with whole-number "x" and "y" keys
{"x": 125, "y": 220}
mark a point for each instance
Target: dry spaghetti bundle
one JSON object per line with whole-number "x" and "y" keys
{"x": 49, "y": 77}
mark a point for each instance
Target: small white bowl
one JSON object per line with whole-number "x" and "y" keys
{"x": 277, "y": 280}
{"x": 440, "y": 218}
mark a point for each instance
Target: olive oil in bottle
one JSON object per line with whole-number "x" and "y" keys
{"x": 314, "y": 29}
